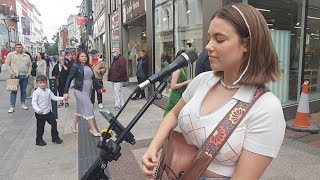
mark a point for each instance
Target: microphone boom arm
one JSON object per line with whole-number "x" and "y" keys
{"x": 110, "y": 150}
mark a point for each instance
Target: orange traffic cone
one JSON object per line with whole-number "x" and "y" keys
{"x": 302, "y": 119}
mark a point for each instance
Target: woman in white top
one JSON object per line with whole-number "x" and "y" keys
{"x": 242, "y": 56}
{"x": 41, "y": 67}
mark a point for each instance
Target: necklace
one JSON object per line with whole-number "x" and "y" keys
{"x": 229, "y": 87}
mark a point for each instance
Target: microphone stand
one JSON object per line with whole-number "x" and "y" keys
{"x": 110, "y": 150}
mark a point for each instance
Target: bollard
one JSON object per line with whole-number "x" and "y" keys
{"x": 53, "y": 88}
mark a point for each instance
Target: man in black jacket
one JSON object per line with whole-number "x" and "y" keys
{"x": 203, "y": 64}
{"x": 142, "y": 73}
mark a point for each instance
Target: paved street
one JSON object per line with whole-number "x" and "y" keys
{"x": 20, "y": 158}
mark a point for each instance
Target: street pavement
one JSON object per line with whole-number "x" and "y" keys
{"x": 20, "y": 158}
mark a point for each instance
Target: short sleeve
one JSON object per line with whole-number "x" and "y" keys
{"x": 265, "y": 127}
{"x": 192, "y": 87}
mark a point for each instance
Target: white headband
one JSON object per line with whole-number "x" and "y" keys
{"x": 245, "y": 20}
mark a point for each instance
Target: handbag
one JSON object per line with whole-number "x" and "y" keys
{"x": 182, "y": 161}
{"x": 12, "y": 85}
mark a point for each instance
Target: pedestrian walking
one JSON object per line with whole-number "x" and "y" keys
{"x": 18, "y": 65}
{"x": 243, "y": 60}
{"x": 142, "y": 73}
{"x": 61, "y": 72}
{"x": 41, "y": 67}
{"x": 41, "y": 103}
{"x": 99, "y": 69}
{"x": 82, "y": 72}
{"x": 30, "y": 85}
{"x": 117, "y": 75}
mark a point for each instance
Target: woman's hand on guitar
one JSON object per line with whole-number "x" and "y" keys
{"x": 149, "y": 162}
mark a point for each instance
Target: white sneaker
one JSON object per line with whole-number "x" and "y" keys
{"x": 100, "y": 106}
{"x": 24, "y": 107}
{"x": 11, "y": 110}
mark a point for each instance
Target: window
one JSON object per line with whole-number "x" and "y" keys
{"x": 187, "y": 11}
{"x": 312, "y": 51}
{"x": 165, "y": 19}
{"x": 284, "y": 21}
{"x": 164, "y": 47}
{"x": 157, "y": 16}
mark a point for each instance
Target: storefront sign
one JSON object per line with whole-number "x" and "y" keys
{"x": 81, "y": 21}
{"x": 101, "y": 23}
{"x": 115, "y": 20}
{"x": 115, "y": 30}
{"x": 132, "y": 9}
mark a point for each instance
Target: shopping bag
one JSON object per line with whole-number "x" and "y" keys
{"x": 12, "y": 85}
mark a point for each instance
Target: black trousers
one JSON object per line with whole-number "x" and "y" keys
{"x": 99, "y": 95}
{"x": 41, "y": 121}
{"x": 141, "y": 92}
{"x": 61, "y": 86}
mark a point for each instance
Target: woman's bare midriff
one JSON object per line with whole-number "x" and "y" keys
{"x": 210, "y": 174}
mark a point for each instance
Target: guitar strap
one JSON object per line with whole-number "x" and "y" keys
{"x": 219, "y": 136}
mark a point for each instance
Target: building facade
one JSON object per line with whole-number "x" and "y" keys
{"x": 73, "y": 32}
{"x": 37, "y": 30}
{"x": 63, "y": 38}
{"x": 163, "y": 27}
{"x": 99, "y": 23}
{"x": 8, "y": 24}
{"x": 30, "y": 27}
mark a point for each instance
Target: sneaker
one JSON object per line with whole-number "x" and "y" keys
{"x": 117, "y": 109}
{"x": 41, "y": 143}
{"x": 134, "y": 98}
{"x": 58, "y": 141}
{"x": 29, "y": 97}
{"x": 100, "y": 106}
{"x": 24, "y": 107}
{"x": 11, "y": 110}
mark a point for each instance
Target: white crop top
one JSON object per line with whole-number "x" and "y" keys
{"x": 261, "y": 130}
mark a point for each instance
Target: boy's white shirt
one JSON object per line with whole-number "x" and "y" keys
{"x": 41, "y": 100}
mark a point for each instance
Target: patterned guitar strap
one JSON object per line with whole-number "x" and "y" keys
{"x": 219, "y": 136}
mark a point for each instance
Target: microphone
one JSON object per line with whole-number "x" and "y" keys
{"x": 181, "y": 61}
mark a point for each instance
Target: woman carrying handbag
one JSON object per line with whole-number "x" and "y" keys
{"x": 61, "y": 72}
{"x": 242, "y": 59}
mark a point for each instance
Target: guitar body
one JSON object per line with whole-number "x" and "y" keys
{"x": 176, "y": 155}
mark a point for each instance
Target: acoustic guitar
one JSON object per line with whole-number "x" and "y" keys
{"x": 176, "y": 156}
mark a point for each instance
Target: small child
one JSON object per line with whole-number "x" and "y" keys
{"x": 41, "y": 103}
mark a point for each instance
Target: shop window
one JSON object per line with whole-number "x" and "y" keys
{"x": 157, "y": 17}
{"x": 164, "y": 47}
{"x": 165, "y": 19}
{"x": 187, "y": 11}
{"x": 284, "y": 21}
{"x": 312, "y": 51}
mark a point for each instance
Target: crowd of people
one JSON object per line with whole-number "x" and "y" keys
{"x": 84, "y": 74}
{"x": 195, "y": 107}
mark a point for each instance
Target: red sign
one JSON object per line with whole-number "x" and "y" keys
{"x": 81, "y": 21}
{"x": 4, "y": 53}
{"x": 133, "y": 8}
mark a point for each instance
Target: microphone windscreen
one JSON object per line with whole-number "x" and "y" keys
{"x": 193, "y": 56}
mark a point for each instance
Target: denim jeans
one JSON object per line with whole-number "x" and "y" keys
{"x": 204, "y": 178}
{"x": 23, "y": 82}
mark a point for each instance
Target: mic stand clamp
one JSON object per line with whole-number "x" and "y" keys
{"x": 110, "y": 150}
